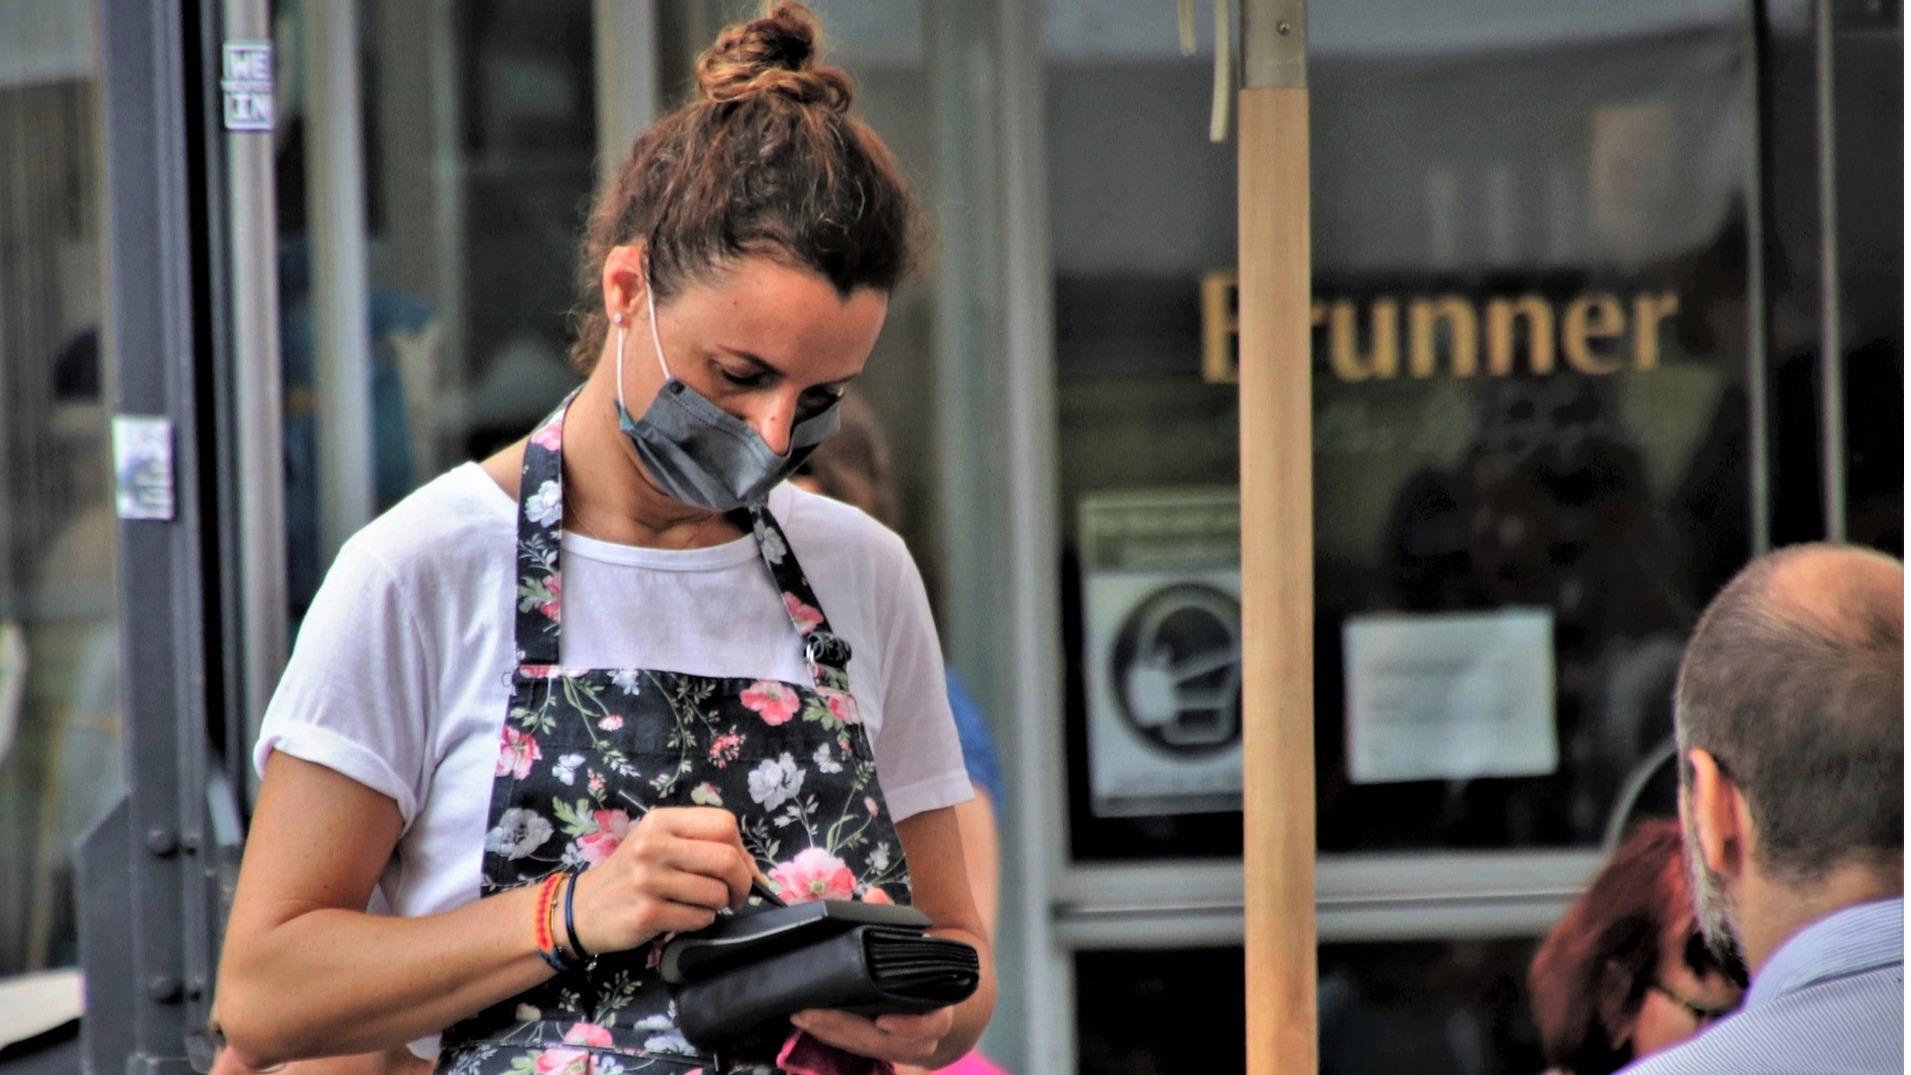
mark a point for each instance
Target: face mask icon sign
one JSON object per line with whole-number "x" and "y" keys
{"x": 1177, "y": 669}
{"x": 1152, "y": 690}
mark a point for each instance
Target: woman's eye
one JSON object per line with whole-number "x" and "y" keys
{"x": 753, "y": 379}
{"x": 815, "y": 403}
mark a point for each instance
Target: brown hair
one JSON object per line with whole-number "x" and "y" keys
{"x": 765, "y": 161}
{"x": 1591, "y": 973}
{"x": 853, "y": 465}
{"x": 1801, "y": 702}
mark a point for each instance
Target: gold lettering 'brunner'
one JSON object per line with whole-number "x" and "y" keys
{"x": 1595, "y": 333}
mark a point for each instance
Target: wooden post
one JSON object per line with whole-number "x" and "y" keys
{"x": 1277, "y": 540}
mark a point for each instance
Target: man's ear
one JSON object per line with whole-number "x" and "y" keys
{"x": 1719, "y": 819}
{"x": 624, "y": 280}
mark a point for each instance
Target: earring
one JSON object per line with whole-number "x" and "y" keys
{"x": 617, "y": 319}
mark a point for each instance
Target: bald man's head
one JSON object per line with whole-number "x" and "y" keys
{"x": 1794, "y": 682}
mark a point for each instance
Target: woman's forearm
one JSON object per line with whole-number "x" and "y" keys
{"x": 327, "y": 982}
{"x": 972, "y": 1015}
{"x": 933, "y": 841}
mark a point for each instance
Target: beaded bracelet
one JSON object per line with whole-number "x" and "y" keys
{"x": 570, "y": 922}
{"x": 541, "y": 929}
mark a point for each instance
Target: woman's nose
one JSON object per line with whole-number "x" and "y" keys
{"x": 773, "y": 422}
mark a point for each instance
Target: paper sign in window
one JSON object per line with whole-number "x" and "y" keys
{"x": 1450, "y": 696}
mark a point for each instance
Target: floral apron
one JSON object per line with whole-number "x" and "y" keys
{"x": 587, "y": 751}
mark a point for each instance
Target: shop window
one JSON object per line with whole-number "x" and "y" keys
{"x": 1531, "y": 370}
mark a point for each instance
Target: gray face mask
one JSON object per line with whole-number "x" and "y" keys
{"x": 699, "y": 453}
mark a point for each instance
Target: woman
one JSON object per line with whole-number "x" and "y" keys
{"x": 622, "y": 649}
{"x": 1625, "y": 973}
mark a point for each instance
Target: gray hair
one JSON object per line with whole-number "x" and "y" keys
{"x": 1800, "y": 698}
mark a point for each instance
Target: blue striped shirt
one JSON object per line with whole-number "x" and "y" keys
{"x": 1830, "y": 1001}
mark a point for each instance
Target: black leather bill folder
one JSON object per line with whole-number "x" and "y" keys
{"x": 738, "y": 980}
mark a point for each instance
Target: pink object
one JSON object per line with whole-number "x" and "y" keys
{"x": 588, "y": 1034}
{"x": 814, "y": 874}
{"x": 772, "y": 701}
{"x": 973, "y": 1064}
{"x": 550, "y": 437}
{"x": 612, "y": 827}
{"x": 807, "y": 619}
{"x": 842, "y": 705}
{"x": 516, "y": 753}
{"x": 564, "y": 1062}
{"x": 804, "y": 1055}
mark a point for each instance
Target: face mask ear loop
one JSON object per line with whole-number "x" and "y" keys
{"x": 650, "y": 300}
{"x": 621, "y": 334}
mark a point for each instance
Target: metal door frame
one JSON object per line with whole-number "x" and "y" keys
{"x": 155, "y": 875}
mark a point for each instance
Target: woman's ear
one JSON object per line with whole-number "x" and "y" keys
{"x": 1614, "y": 986}
{"x": 1717, "y": 813}
{"x": 624, "y": 279}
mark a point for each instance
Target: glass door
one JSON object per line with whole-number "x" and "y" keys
{"x": 60, "y": 714}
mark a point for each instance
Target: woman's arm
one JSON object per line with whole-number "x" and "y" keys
{"x": 982, "y": 856}
{"x": 307, "y": 972}
{"x": 399, "y": 1061}
{"x": 940, "y": 884}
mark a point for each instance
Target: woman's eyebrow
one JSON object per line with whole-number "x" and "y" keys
{"x": 760, "y": 363}
{"x": 765, "y": 366}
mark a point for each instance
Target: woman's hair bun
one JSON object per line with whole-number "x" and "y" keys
{"x": 775, "y": 55}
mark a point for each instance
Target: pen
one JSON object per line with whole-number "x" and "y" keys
{"x": 761, "y": 885}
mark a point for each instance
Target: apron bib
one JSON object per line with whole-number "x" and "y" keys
{"x": 586, "y": 752}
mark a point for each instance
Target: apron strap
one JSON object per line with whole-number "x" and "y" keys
{"x": 825, "y": 651}
{"x": 540, "y": 587}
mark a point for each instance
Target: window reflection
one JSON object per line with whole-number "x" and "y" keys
{"x": 479, "y": 154}
{"x": 1442, "y": 1007}
{"x": 1530, "y": 390}
{"x": 60, "y": 761}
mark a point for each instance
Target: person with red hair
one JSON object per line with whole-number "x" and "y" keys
{"x": 1624, "y": 972}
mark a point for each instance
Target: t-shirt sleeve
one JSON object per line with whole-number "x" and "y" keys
{"x": 918, "y": 754}
{"x": 355, "y": 695}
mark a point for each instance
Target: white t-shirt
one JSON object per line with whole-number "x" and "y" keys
{"x": 402, "y": 671}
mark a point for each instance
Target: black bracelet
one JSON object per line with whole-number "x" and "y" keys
{"x": 555, "y": 960}
{"x": 570, "y": 923}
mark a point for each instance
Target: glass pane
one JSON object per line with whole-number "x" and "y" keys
{"x": 1141, "y": 210}
{"x": 1148, "y": 1012}
{"x": 480, "y": 145}
{"x": 1869, "y": 94}
{"x": 60, "y": 762}
{"x": 1867, "y": 61}
{"x": 1530, "y": 412}
{"x": 1438, "y": 1007}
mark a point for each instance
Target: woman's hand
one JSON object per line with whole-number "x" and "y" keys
{"x": 676, "y": 869}
{"x": 903, "y": 1039}
{"x": 939, "y": 883}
